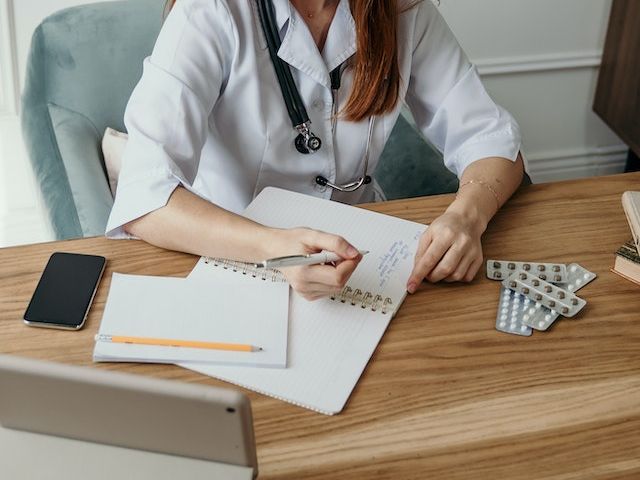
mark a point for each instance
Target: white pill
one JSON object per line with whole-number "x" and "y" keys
{"x": 512, "y": 326}
{"x": 578, "y": 282}
{"x": 570, "y": 288}
{"x": 541, "y": 324}
{"x": 503, "y": 317}
{"x": 538, "y": 305}
{"x": 525, "y": 318}
{"x": 527, "y": 301}
{"x": 532, "y": 311}
{"x": 523, "y": 328}
{"x": 573, "y": 268}
{"x": 586, "y": 276}
{"x": 503, "y": 324}
{"x": 505, "y": 310}
{"x": 553, "y": 312}
{"x": 547, "y": 317}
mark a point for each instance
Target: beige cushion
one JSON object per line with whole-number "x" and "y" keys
{"x": 113, "y": 143}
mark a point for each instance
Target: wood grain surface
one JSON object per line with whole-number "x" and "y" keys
{"x": 445, "y": 395}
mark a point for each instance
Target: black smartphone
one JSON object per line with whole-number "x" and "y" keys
{"x": 65, "y": 291}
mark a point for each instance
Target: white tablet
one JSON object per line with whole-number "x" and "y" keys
{"x": 211, "y": 425}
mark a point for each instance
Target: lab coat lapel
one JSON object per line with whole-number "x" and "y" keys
{"x": 299, "y": 50}
{"x": 341, "y": 40}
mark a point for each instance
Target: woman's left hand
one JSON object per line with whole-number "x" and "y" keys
{"x": 450, "y": 249}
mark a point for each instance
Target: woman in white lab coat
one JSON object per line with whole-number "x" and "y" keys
{"x": 209, "y": 129}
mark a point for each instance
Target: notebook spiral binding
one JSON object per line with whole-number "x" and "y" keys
{"x": 347, "y": 294}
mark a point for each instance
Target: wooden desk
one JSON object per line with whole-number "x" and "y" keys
{"x": 445, "y": 395}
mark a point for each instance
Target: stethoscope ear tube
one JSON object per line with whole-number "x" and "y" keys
{"x": 295, "y": 105}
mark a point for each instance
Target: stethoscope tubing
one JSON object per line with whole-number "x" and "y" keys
{"x": 295, "y": 106}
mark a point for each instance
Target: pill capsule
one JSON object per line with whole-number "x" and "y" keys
{"x": 565, "y": 310}
{"x": 497, "y": 264}
{"x": 513, "y": 284}
{"x": 511, "y": 266}
{"x": 538, "y": 297}
{"x": 542, "y": 276}
{"x": 525, "y": 290}
{"x": 552, "y": 303}
{"x": 556, "y": 268}
{"x": 557, "y": 278}
{"x": 541, "y": 268}
{"x": 574, "y": 301}
{"x": 526, "y": 267}
{"x": 535, "y": 283}
{"x": 523, "y": 276}
{"x": 497, "y": 275}
{"x": 547, "y": 288}
{"x": 560, "y": 294}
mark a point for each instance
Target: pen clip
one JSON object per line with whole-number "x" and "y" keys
{"x": 264, "y": 263}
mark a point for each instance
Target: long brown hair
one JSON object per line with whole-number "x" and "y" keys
{"x": 376, "y": 83}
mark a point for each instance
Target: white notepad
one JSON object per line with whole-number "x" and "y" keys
{"x": 172, "y": 308}
{"x": 330, "y": 342}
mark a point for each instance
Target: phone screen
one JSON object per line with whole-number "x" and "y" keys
{"x": 65, "y": 291}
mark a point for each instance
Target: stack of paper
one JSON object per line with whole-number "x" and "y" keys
{"x": 174, "y": 309}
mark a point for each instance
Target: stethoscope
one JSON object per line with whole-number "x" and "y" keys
{"x": 306, "y": 141}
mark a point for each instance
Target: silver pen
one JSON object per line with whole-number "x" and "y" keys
{"x": 299, "y": 260}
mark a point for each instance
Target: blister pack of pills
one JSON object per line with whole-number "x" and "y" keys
{"x": 542, "y": 318}
{"x": 551, "y": 272}
{"x": 511, "y": 311}
{"x": 547, "y": 294}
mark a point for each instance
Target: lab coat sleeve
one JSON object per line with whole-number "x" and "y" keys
{"x": 167, "y": 114}
{"x": 448, "y": 101}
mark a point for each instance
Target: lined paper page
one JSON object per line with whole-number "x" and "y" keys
{"x": 330, "y": 342}
{"x": 391, "y": 241}
{"x": 172, "y": 308}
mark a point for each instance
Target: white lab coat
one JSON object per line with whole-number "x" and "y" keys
{"x": 208, "y": 112}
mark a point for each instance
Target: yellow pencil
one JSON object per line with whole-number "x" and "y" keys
{"x": 164, "y": 342}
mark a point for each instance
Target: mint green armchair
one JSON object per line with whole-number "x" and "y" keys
{"x": 83, "y": 65}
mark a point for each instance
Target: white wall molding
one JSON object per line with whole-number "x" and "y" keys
{"x": 575, "y": 163}
{"x": 9, "y": 89}
{"x": 538, "y": 63}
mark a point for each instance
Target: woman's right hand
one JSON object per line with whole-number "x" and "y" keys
{"x": 314, "y": 281}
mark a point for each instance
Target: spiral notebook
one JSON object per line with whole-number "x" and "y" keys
{"x": 330, "y": 340}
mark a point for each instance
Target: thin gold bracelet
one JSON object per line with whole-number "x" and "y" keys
{"x": 485, "y": 185}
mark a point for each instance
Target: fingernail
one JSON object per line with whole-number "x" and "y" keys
{"x": 352, "y": 252}
{"x": 411, "y": 288}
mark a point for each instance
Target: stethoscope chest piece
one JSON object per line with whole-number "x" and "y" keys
{"x": 307, "y": 143}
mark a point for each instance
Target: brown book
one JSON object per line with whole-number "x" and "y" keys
{"x": 627, "y": 262}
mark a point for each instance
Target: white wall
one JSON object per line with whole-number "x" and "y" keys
{"x": 538, "y": 58}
